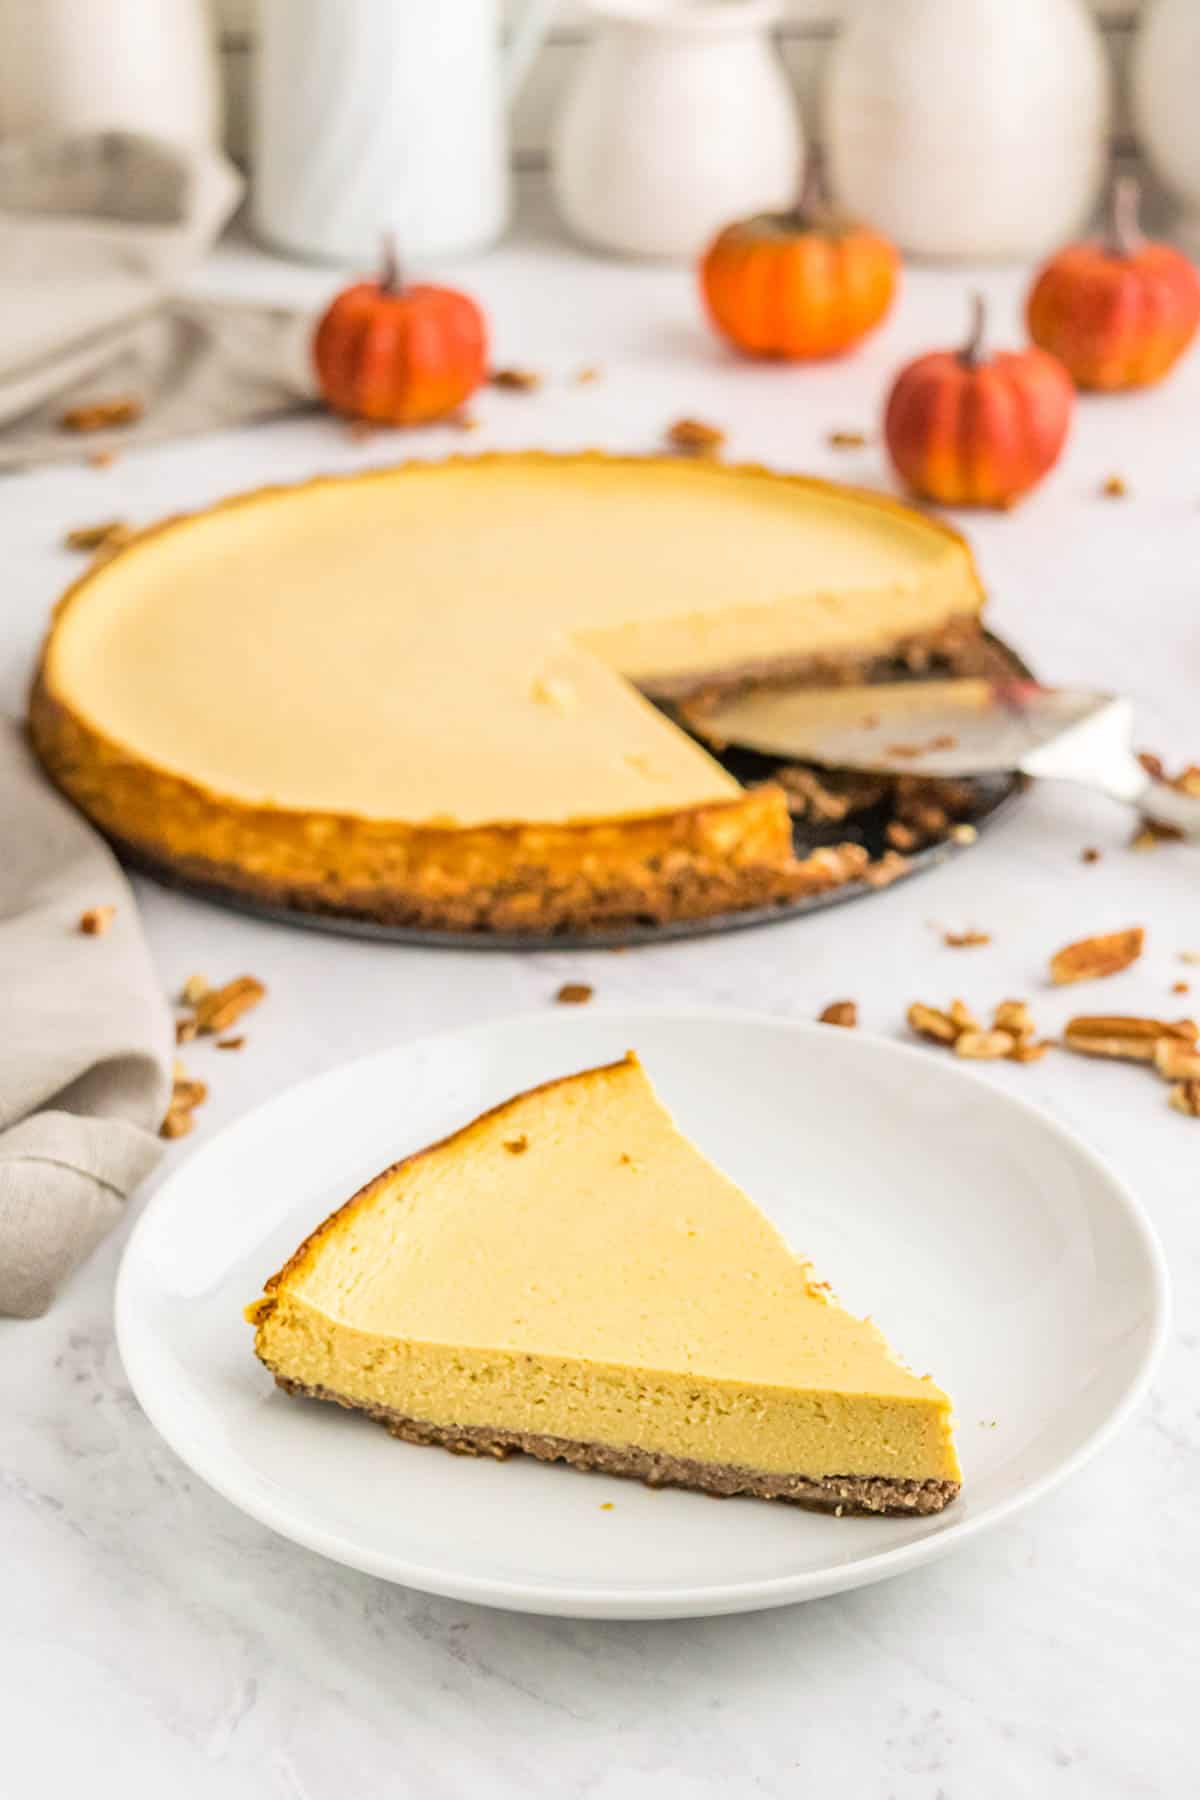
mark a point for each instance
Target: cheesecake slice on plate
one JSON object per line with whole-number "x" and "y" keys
{"x": 570, "y": 1277}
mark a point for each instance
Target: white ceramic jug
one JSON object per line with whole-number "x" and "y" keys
{"x": 377, "y": 116}
{"x": 1166, "y": 102}
{"x": 969, "y": 128}
{"x": 85, "y": 65}
{"x": 681, "y": 119}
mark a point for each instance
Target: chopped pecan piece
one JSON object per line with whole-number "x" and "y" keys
{"x": 96, "y": 920}
{"x": 965, "y": 940}
{"x": 231, "y": 1043}
{"x": 574, "y": 993}
{"x": 693, "y": 437}
{"x": 1128, "y": 1038}
{"x": 1014, "y": 1016}
{"x": 1176, "y": 1060}
{"x": 985, "y": 1046}
{"x": 930, "y": 1022}
{"x": 847, "y": 440}
{"x": 108, "y": 536}
{"x": 1089, "y": 854}
{"x": 1092, "y": 957}
{"x": 1028, "y": 1050}
{"x": 839, "y": 1012}
{"x": 102, "y": 415}
{"x": 1185, "y": 1098}
{"x": 177, "y": 1123}
{"x": 194, "y": 990}
{"x": 222, "y": 1007}
{"x": 517, "y": 381}
{"x": 1114, "y": 488}
{"x": 963, "y": 1017}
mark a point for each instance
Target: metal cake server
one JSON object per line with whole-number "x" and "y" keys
{"x": 953, "y": 728}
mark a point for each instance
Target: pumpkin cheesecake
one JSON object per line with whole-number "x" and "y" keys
{"x": 423, "y": 695}
{"x": 569, "y": 1276}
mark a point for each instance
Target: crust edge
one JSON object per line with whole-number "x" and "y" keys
{"x": 839, "y": 1494}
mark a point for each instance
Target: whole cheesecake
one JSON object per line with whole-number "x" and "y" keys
{"x": 423, "y": 695}
{"x": 570, "y": 1277}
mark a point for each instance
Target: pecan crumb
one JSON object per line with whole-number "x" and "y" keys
{"x": 839, "y": 1012}
{"x": 693, "y": 437}
{"x": 1181, "y": 987}
{"x": 102, "y": 415}
{"x": 96, "y": 920}
{"x": 585, "y": 377}
{"x": 517, "y": 381}
{"x": 1185, "y": 1098}
{"x": 185, "y": 1030}
{"x": 1089, "y": 854}
{"x": 230, "y": 1043}
{"x": 101, "y": 459}
{"x": 574, "y": 993}
{"x": 965, "y": 940}
{"x": 1113, "y": 488}
{"x": 1090, "y": 958}
{"x": 847, "y": 440}
{"x": 108, "y": 537}
{"x": 222, "y": 1007}
{"x": 517, "y": 1146}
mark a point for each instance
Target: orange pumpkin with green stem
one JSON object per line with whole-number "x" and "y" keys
{"x": 800, "y": 284}
{"x": 399, "y": 355}
{"x": 1119, "y": 312}
{"x": 967, "y": 429}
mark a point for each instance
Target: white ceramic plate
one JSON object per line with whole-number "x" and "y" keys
{"x": 993, "y": 1248}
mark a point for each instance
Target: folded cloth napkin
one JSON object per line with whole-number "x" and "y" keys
{"x": 96, "y": 233}
{"x": 85, "y": 1054}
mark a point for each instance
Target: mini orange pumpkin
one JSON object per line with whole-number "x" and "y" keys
{"x": 800, "y": 284}
{"x": 965, "y": 429}
{"x": 1120, "y": 312}
{"x": 399, "y": 355}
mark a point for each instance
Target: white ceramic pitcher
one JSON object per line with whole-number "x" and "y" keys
{"x": 386, "y": 115}
{"x": 680, "y": 120}
{"x": 969, "y": 128}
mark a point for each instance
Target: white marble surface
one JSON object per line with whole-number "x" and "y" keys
{"x": 154, "y": 1641}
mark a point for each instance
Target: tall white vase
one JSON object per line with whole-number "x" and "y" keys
{"x": 1166, "y": 102}
{"x": 969, "y": 129}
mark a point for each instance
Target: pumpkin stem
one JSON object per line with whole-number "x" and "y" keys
{"x": 1124, "y": 234}
{"x": 971, "y": 354}
{"x": 390, "y": 281}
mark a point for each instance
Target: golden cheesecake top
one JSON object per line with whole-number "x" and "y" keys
{"x": 458, "y": 643}
{"x": 576, "y": 1230}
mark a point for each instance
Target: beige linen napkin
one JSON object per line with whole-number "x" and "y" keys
{"x": 96, "y": 233}
{"x": 85, "y": 1049}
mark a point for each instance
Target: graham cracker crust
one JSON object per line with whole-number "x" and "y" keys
{"x": 839, "y": 1494}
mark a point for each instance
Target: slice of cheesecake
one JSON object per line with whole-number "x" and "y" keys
{"x": 570, "y": 1277}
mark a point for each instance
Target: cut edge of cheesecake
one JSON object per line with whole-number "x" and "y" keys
{"x": 729, "y": 850}
{"x": 895, "y": 1438}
